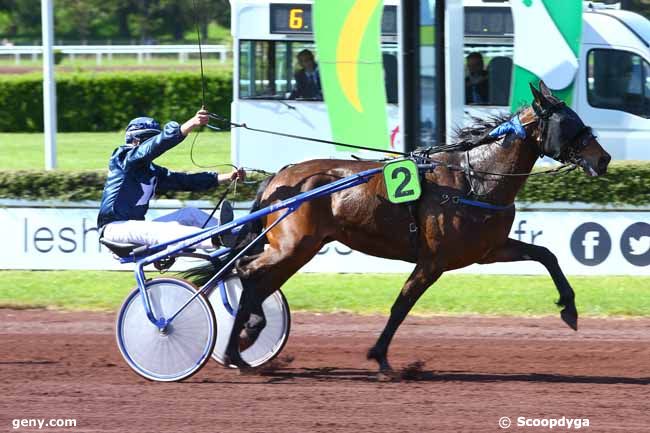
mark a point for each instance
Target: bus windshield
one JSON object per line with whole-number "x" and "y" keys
{"x": 618, "y": 80}
{"x": 288, "y": 70}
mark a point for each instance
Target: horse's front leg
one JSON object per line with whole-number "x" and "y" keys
{"x": 514, "y": 251}
{"x": 422, "y": 277}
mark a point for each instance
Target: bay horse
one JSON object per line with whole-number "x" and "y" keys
{"x": 451, "y": 233}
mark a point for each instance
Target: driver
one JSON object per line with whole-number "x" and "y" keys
{"x": 133, "y": 179}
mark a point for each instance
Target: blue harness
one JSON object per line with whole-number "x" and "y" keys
{"x": 512, "y": 126}
{"x": 483, "y": 205}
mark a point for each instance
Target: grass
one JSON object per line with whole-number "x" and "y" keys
{"x": 91, "y": 151}
{"x": 365, "y": 294}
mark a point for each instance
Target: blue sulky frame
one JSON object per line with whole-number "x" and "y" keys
{"x": 147, "y": 255}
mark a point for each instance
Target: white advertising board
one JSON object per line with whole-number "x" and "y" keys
{"x": 585, "y": 243}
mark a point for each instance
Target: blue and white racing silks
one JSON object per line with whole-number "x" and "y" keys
{"x": 133, "y": 178}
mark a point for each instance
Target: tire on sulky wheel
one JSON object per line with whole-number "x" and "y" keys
{"x": 176, "y": 352}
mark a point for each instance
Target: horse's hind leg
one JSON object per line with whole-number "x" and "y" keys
{"x": 261, "y": 277}
{"x": 422, "y": 277}
{"x": 514, "y": 251}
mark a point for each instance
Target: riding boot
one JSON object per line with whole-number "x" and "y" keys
{"x": 226, "y": 215}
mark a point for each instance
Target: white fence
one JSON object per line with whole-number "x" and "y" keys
{"x": 143, "y": 52}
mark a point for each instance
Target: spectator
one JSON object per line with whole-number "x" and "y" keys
{"x": 307, "y": 78}
{"x": 476, "y": 81}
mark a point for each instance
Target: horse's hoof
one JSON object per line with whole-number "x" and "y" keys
{"x": 235, "y": 360}
{"x": 246, "y": 371}
{"x": 570, "y": 317}
{"x": 387, "y": 376}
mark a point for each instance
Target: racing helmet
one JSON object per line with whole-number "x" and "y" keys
{"x": 141, "y": 128}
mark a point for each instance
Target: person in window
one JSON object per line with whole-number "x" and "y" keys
{"x": 133, "y": 179}
{"x": 476, "y": 81}
{"x": 307, "y": 78}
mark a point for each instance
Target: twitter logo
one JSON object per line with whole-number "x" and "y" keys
{"x": 635, "y": 244}
{"x": 640, "y": 246}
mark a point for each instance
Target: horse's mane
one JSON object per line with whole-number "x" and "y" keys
{"x": 469, "y": 137}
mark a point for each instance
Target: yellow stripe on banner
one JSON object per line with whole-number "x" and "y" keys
{"x": 349, "y": 46}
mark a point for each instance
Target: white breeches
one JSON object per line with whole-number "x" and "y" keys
{"x": 168, "y": 227}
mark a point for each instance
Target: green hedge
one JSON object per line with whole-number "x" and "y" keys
{"x": 107, "y": 101}
{"x": 87, "y": 185}
{"x": 625, "y": 183}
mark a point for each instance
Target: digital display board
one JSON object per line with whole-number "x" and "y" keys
{"x": 482, "y": 21}
{"x": 288, "y": 18}
{"x": 291, "y": 18}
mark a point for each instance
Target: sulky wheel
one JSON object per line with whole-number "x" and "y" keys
{"x": 272, "y": 338}
{"x": 176, "y": 352}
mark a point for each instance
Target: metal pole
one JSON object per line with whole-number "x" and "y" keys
{"x": 49, "y": 84}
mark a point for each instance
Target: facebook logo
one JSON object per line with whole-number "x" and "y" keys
{"x": 590, "y": 244}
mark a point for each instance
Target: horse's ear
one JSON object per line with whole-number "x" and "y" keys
{"x": 544, "y": 89}
{"x": 537, "y": 95}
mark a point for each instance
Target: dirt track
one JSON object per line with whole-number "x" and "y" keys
{"x": 66, "y": 365}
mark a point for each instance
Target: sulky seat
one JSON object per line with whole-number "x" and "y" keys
{"x": 121, "y": 250}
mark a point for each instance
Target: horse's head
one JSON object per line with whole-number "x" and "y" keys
{"x": 564, "y": 137}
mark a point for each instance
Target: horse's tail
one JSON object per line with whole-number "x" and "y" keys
{"x": 257, "y": 225}
{"x": 201, "y": 274}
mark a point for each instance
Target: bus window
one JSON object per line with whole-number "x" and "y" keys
{"x": 389, "y": 59}
{"x": 618, "y": 80}
{"x": 289, "y": 70}
{"x": 488, "y": 74}
{"x": 256, "y": 72}
{"x": 278, "y": 70}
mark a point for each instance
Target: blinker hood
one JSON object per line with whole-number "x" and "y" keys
{"x": 561, "y": 126}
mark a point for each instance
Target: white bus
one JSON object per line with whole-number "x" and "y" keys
{"x": 611, "y": 89}
{"x": 424, "y": 46}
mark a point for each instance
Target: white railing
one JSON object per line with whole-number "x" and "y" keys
{"x": 143, "y": 52}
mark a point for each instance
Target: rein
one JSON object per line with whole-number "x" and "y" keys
{"x": 422, "y": 155}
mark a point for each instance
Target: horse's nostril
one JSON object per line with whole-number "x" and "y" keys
{"x": 603, "y": 162}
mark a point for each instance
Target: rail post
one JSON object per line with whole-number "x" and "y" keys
{"x": 49, "y": 84}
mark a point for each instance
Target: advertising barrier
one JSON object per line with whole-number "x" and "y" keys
{"x": 586, "y": 240}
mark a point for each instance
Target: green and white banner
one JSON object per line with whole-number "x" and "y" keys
{"x": 348, "y": 40}
{"x": 547, "y": 46}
